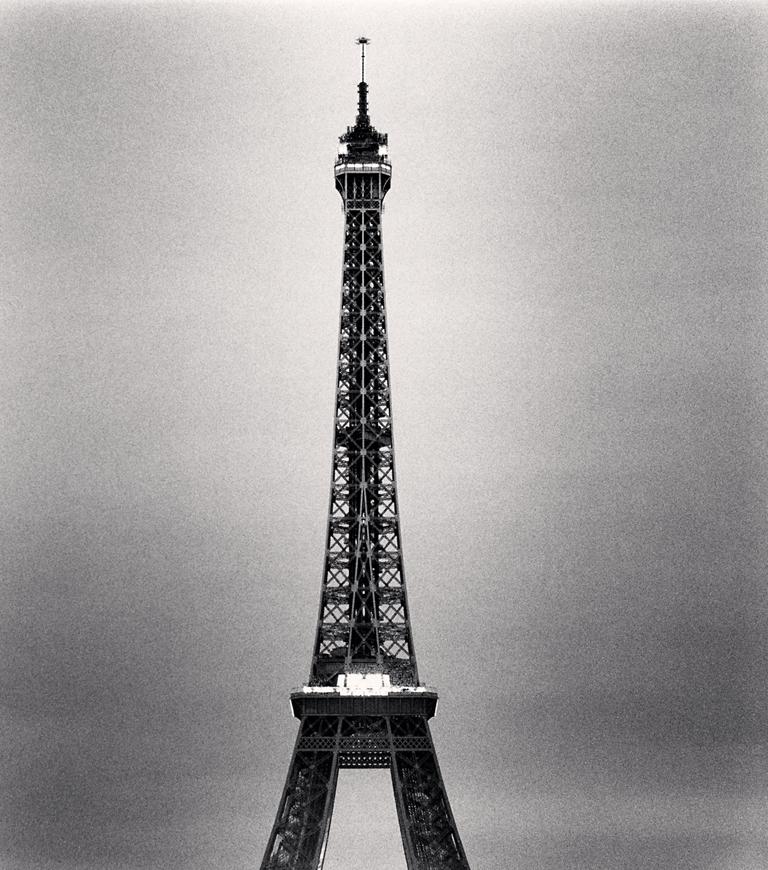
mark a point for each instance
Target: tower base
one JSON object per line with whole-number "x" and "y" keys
{"x": 368, "y": 725}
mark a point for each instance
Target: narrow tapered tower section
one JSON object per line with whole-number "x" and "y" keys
{"x": 363, "y": 623}
{"x": 363, "y": 705}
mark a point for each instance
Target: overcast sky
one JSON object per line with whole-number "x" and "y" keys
{"x": 575, "y": 268}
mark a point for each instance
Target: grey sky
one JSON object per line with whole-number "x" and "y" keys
{"x": 574, "y": 250}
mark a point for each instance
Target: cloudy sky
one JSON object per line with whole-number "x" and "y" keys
{"x": 575, "y": 260}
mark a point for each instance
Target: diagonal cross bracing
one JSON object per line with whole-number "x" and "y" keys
{"x": 359, "y": 626}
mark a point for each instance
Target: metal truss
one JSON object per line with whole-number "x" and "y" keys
{"x": 363, "y": 621}
{"x": 327, "y": 743}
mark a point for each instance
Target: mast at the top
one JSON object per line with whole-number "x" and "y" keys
{"x": 362, "y": 42}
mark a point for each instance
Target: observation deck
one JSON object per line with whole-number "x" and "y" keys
{"x": 346, "y": 163}
{"x": 364, "y": 695}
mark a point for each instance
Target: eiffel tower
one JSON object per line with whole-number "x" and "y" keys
{"x": 363, "y": 706}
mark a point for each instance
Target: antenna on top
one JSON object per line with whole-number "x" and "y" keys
{"x": 362, "y": 41}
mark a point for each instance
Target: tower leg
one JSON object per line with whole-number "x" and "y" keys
{"x": 430, "y": 838}
{"x": 300, "y": 833}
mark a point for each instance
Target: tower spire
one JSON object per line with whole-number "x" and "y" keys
{"x": 362, "y": 89}
{"x": 362, "y": 41}
{"x": 363, "y": 140}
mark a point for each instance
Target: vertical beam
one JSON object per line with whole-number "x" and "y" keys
{"x": 330, "y": 798}
{"x": 427, "y": 823}
{"x": 402, "y": 812}
{"x": 300, "y": 833}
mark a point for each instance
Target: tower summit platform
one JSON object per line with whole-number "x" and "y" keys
{"x": 362, "y": 148}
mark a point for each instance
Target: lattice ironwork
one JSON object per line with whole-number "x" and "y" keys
{"x": 363, "y": 617}
{"x": 363, "y": 627}
{"x": 404, "y": 745}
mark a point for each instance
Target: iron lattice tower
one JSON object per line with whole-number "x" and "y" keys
{"x": 363, "y": 706}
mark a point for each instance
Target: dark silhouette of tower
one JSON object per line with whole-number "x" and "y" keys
{"x": 363, "y": 706}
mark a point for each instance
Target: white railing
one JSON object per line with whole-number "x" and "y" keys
{"x": 383, "y": 166}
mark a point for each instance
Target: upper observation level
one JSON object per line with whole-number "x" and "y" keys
{"x": 362, "y": 148}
